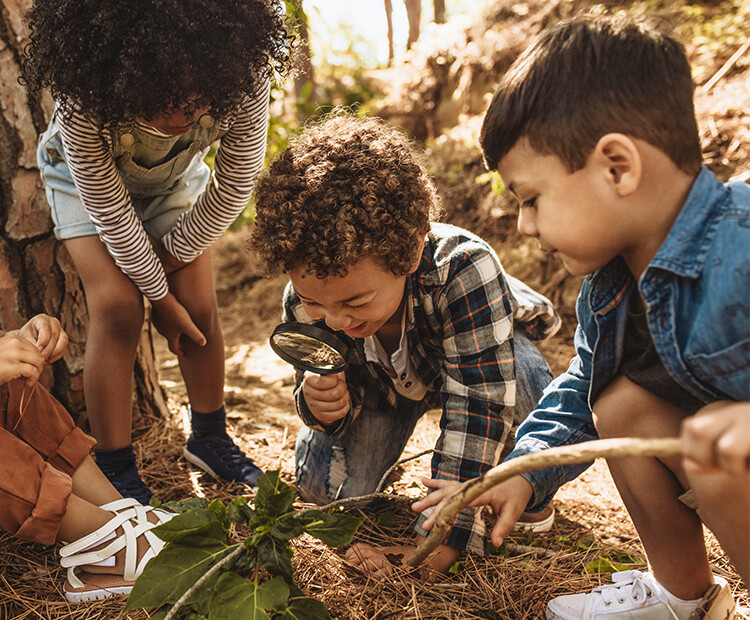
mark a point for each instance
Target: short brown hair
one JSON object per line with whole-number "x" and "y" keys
{"x": 589, "y": 76}
{"x": 346, "y": 188}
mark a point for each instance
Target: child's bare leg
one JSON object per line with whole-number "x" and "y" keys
{"x": 115, "y": 320}
{"x": 91, "y": 485}
{"x": 724, "y": 503}
{"x": 671, "y": 533}
{"x": 202, "y": 367}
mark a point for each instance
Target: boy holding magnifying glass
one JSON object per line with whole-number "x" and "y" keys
{"x": 430, "y": 319}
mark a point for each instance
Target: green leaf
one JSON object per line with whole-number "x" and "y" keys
{"x": 236, "y": 598}
{"x": 197, "y": 526}
{"x": 305, "y": 609}
{"x": 274, "y": 594}
{"x": 171, "y": 573}
{"x": 287, "y": 527}
{"x": 605, "y": 565}
{"x": 274, "y": 497}
{"x": 333, "y": 529}
{"x": 220, "y": 510}
{"x": 275, "y": 556}
{"x": 186, "y": 504}
{"x": 239, "y": 512}
{"x": 385, "y": 519}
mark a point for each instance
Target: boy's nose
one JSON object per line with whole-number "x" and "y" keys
{"x": 527, "y": 223}
{"x": 337, "y": 320}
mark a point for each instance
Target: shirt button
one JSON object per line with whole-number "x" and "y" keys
{"x": 403, "y": 376}
{"x": 127, "y": 139}
{"x": 407, "y": 384}
{"x": 206, "y": 121}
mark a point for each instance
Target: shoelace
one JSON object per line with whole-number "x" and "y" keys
{"x": 631, "y": 584}
{"x": 229, "y": 453}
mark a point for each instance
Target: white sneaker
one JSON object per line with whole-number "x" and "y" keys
{"x": 633, "y": 595}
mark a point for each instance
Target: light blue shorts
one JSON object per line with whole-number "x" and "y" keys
{"x": 158, "y": 213}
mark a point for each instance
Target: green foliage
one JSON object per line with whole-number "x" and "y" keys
{"x": 199, "y": 537}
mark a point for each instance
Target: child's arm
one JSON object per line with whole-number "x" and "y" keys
{"x": 717, "y": 438}
{"x": 239, "y": 160}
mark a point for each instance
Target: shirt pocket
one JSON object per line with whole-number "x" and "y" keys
{"x": 726, "y": 371}
{"x": 159, "y": 179}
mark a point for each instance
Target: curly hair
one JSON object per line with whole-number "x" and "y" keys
{"x": 114, "y": 60}
{"x": 344, "y": 189}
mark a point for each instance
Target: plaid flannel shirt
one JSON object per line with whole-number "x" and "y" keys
{"x": 461, "y": 308}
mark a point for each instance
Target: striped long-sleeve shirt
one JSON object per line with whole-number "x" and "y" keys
{"x": 90, "y": 158}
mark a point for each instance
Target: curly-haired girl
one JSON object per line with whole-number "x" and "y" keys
{"x": 142, "y": 89}
{"x": 425, "y": 309}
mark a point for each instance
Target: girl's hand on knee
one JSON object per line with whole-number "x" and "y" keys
{"x": 173, "y": 321}
{"x": 326, "y": 396}
{"x": 19, "y": 358}
{"x": 717, "y": 438}
{"x": 47, "y": 334}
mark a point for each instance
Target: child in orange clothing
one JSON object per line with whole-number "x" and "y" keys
{"x": 50, "y": 487}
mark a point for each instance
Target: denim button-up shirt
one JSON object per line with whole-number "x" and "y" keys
{"x": 697, "y": 296}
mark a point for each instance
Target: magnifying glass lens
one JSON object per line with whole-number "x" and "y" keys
{"x": 309, "y": 348}
{"x": 310, "y": 351}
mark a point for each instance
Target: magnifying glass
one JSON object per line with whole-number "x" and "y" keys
{"x": 308, "y": 347}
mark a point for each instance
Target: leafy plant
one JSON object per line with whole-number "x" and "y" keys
{"x": 199, "y": 544}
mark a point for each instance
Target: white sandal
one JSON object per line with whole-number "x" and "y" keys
{"x": 134, "y": 523}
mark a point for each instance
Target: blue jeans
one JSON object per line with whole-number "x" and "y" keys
{"x": 355, "y": 464}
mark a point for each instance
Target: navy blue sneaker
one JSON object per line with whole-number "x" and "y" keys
{"x": 221, "y": 457}
{"x": 128, "y": 482}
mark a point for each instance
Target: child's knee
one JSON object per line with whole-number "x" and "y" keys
{"x": 118, "y": 314}
{"x": 617, "y": 411}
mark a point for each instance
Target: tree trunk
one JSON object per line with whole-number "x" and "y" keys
{"x": 389, "y": 19}
{"x": 36, "y": 273}
{"x": 413, "y": 15}
{"x": 439, "y": 11}
{"x": 304, "y": 81}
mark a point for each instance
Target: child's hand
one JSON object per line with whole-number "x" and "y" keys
{"x": 717, "y": 438}
{"x": 19, "y": 358}
{"x": 327, "y": 396}
{"x": 46, "y": 333}
{"x": 173, "y": 321}
{"x": 379, "y": 561}
{"x": 508, "y": 499}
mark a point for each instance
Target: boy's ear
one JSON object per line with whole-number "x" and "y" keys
{"x": 619, "y": 158}
{"x": 418, "y": 254}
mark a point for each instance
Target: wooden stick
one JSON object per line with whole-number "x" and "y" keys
{"x": 563, "y": 455}
{"x": 726, "y": 67}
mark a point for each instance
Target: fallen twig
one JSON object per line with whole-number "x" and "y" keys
{"x": 563, "y": 455}
{"x": 206, "y": 576}
{"x": 726, "y": 67}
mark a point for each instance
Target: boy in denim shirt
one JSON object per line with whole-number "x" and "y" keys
{"x": 593, "y": 130}
{"x": 430, "y": 318}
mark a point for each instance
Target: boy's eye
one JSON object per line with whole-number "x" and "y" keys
{"x": 531, "y": 202}
{"x": 306, "y": 302}
{"x": 362, "y": 305}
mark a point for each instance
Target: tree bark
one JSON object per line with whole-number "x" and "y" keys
{"x": 439, "y": 11}
{"x": 304, "y": 81}
{"x": 413, "y": 15}
{"x": 36, "y": 273}
{"x": 389, "y": 19}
